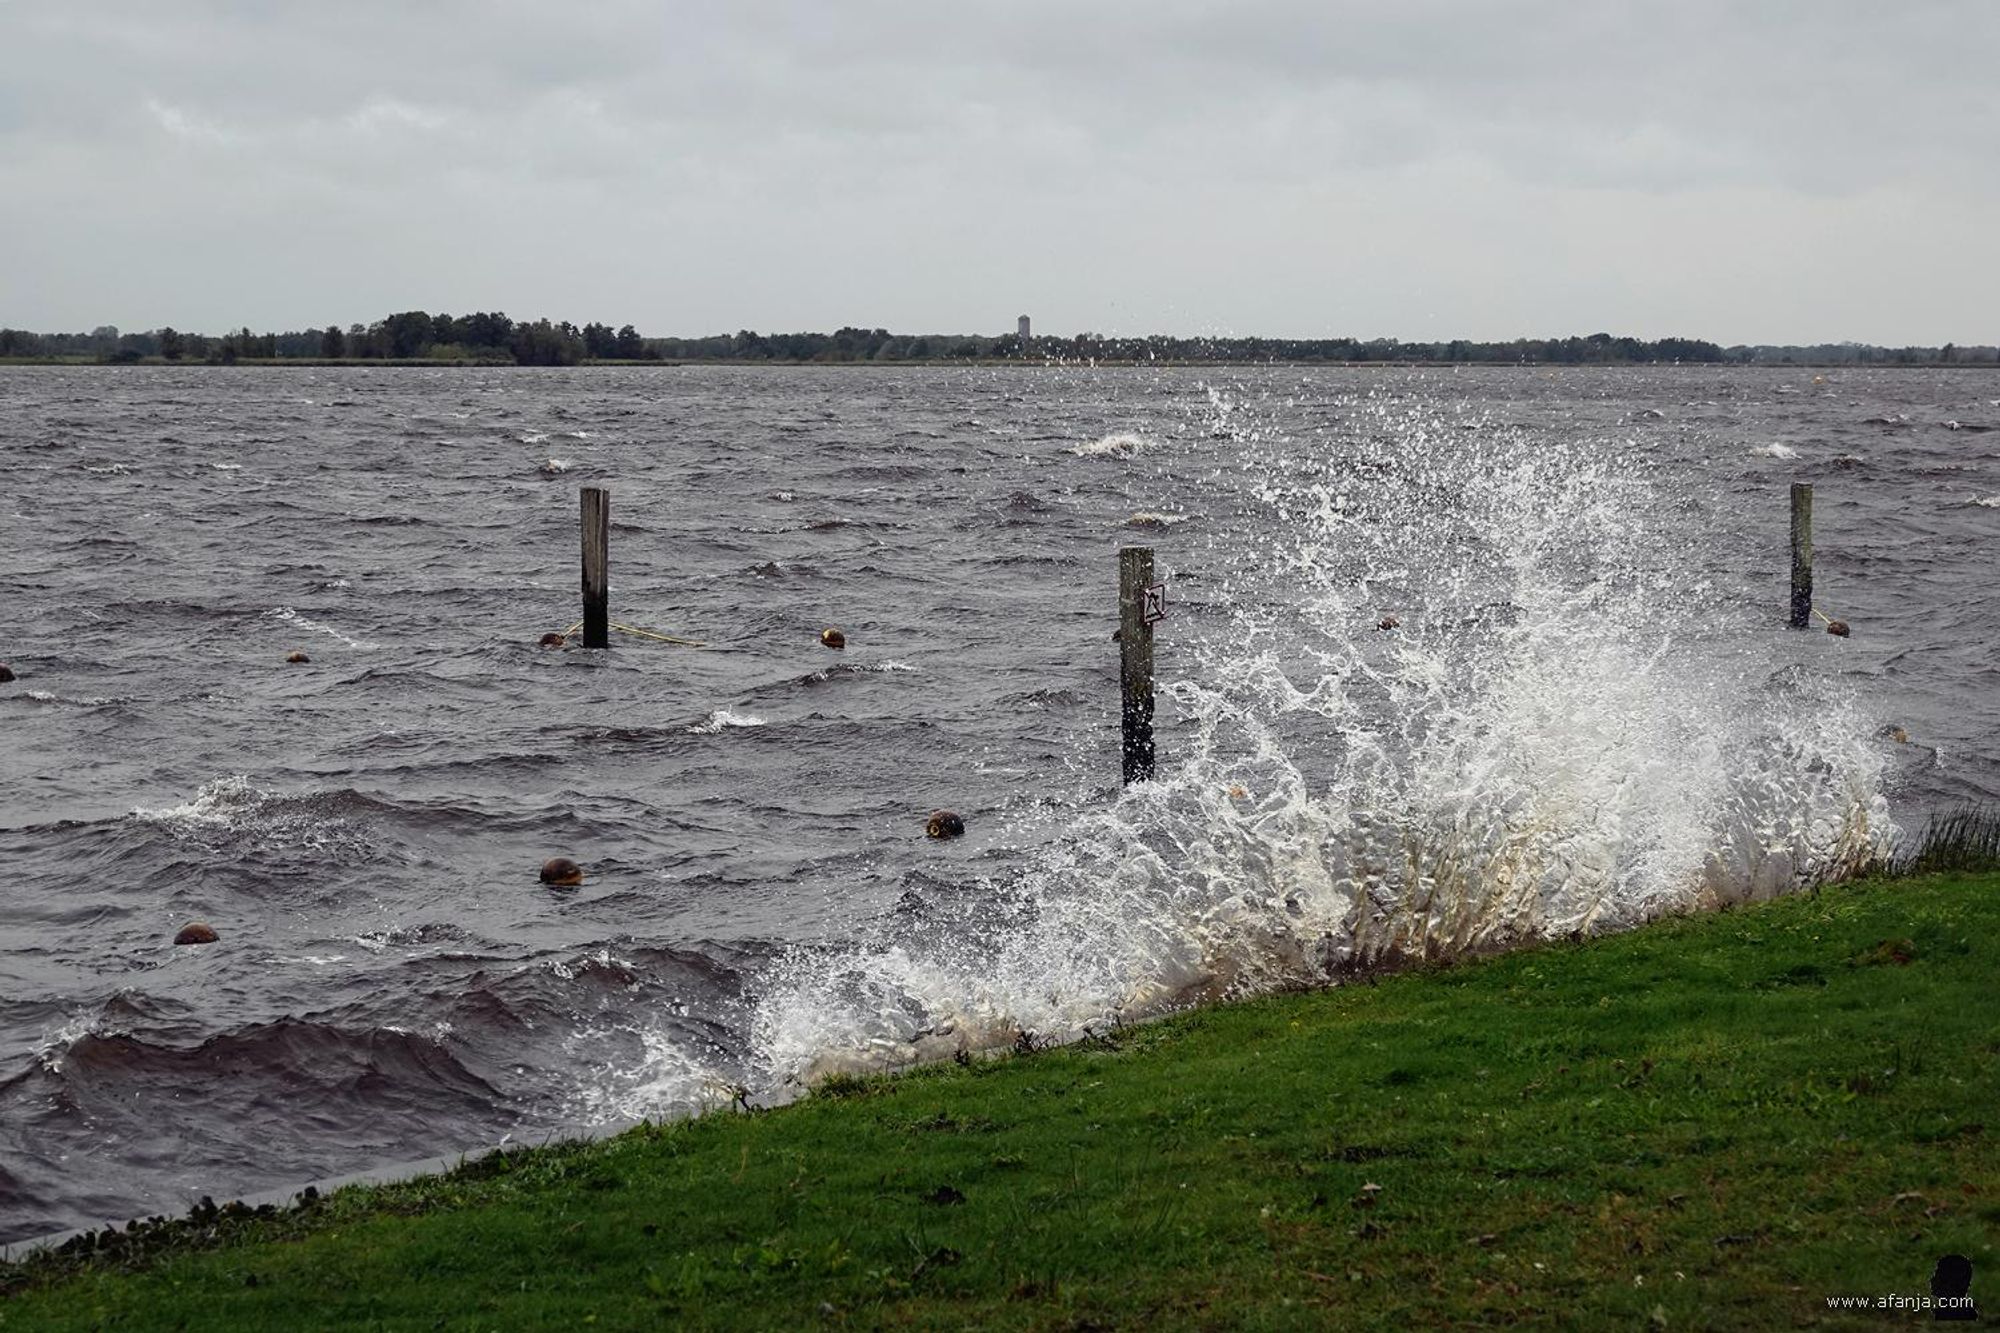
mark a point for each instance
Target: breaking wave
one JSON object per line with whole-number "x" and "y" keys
{"x": 1550, "y": 740}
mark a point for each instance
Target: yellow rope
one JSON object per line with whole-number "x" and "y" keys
{"x": 1822, "y": 615}
{"x": 641, "y": 633}
{"x": 663, "y": 638}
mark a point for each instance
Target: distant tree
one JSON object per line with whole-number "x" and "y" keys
{"x": 485, "y": 329}
{"x": 629, "y": 344}
{"x": 172, "y": 346}
{"x": 599, "y": 341}
{"x": 332, "y": 342}
{"x": 407, "y": 334}
{"x": 545, "y": 344}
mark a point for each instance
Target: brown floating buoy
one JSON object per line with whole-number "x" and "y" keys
{"x": 1898, "y": 735}
{"x": 552, "y": 640}
{"x": 296, "y": 657}
{"x": 1387, "y": 622}
{"x": 196, "y": 932}
{"x": 832, "y": 638}
{"x": 7, "y": 673}
{"x": 944, "y": 824}
{"x": 562, "y": 872}
{"x": 1837, "y": 628}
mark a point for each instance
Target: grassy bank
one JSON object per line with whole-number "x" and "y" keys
{"x": 1712, "y": 1122}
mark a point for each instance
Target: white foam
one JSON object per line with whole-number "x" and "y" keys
{"x": 231, "y": 810}
{"x": 722, "y": 720}
{"x": 55, "y": 1045}
{"x": 1986, "y": 501}
{"x": 669, "y": 1079}
{"x": 1777, "y": 450}
{"x": 88, "y": 701}
{"x": 1117, "y": 444}
{"x": 219, "y": 802}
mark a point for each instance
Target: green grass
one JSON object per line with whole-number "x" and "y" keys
{"x": 1710, "y": 1122}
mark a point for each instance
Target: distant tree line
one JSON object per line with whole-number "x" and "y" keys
{"x": 494, "y": 339}
{"x": 414, "y": 335}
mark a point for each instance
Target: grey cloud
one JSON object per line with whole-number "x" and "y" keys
{"x": 1272, "y": 167}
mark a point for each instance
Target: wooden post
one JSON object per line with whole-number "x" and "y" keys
{"x": 1802, "y": 592}
{"x": 596, "y": 567}
{"x": 1135, "y": 645}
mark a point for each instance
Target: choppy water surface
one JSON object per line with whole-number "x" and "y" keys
{"x": 1587, "y": 715}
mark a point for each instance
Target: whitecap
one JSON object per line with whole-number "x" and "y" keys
{"x": 84, "y": 701}
{"x": 291, "y": 617}
{"x": 1118, "y": 444}
{"x": 722, "y": 720}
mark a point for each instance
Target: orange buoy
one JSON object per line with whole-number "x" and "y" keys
{"x": 296, "y": 658}
{"x": 944, "y": 824}
{"x": 552, "y": 640}
{"x": 196, "y": 932}
{"x": 1837, "y": 628}
{"x": 832, "y": 638}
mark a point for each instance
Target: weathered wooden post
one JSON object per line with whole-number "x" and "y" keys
{"x": 596, "y": 567}
{"x": 1802, "y": 590}
{"x": 1135, "y": 654}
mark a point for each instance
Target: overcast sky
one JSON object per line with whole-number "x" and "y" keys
{"x": 1745, "y": 170}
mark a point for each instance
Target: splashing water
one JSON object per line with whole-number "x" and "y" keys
{"x": 1468, "y": 699}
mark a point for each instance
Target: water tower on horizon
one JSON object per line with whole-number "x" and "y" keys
{"x": 1021, "y": 327}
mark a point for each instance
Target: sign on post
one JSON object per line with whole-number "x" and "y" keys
{"x": 1156, "y": 604}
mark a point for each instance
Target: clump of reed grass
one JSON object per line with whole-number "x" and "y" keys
{"x": 1966, "y": 838}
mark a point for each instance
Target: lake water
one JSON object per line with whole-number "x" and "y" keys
{"x": 1588, "y": 714}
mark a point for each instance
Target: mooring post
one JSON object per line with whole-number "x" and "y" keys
{"x": 1802, "y": 599}
{"x": 596, "y": 567}
{"x": 1135, "y": 653}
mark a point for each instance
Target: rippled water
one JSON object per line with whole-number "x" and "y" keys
{"x": 1588, "y": 714}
